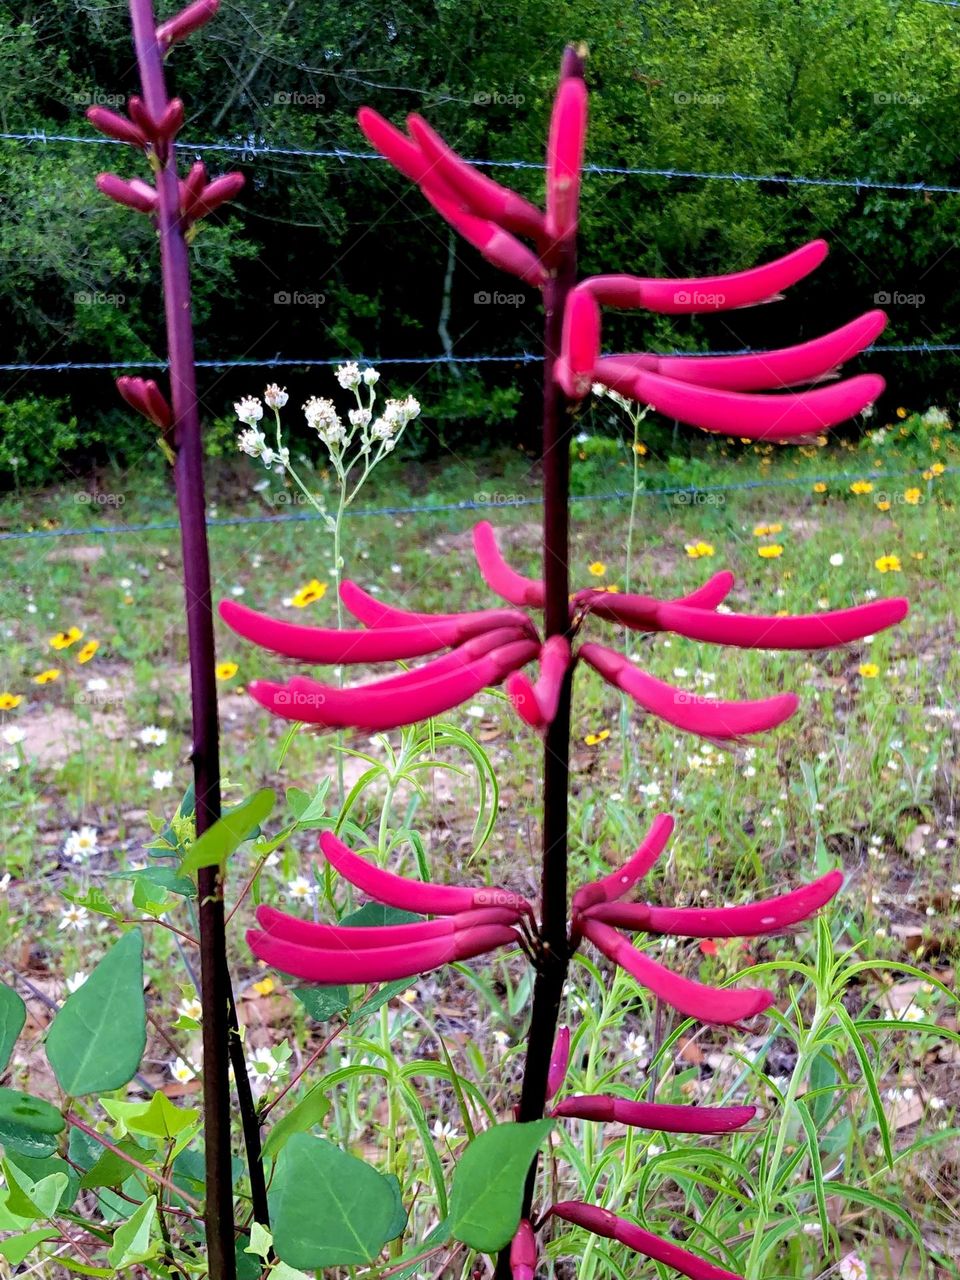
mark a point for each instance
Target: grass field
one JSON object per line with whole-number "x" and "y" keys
{"x": 864, "y": 777}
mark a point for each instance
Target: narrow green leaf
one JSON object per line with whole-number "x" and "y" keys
{"x": 816, "y": 1167}
{"x": 131, "y": 1240}
{"x": 327, "y": 1208}
{"x": 97, "y": 1039}
{"x": 321, "y": 1003}
{"x": 488, "y": 1184}
{"x": 310, "y": 1110}
{"x": 13, "y": 1014}
{"x": 226, "y": 835}
{"x": 860, "y": 1049}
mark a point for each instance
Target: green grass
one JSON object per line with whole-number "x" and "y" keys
{"x": 864, "y": 777}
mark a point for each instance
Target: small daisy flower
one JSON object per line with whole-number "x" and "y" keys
{"x": 226, "y": 670}
{"x": 87, "y": 651}
{"x": 13, "y": 734}
{"x": 8, "y": 701}
{"x": 75, "y": 918}
{"x": 162, "y": 779}
{"x": 191, "y": 1008}
{"x": 301, "y": 889}
{"x": 152, "y": 736}
{"x": 181, "y": 1071}
{"x": 81, "y": 844}
{"x": 836, "y": 559}
{"x": 47, "y": 677}
{"x": 598, "y": 568}
{"x": 308, "y": 594}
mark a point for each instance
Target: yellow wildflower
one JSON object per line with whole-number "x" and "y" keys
{"x": 912, "y": 496}
{"x": 861, "y": 486}
{"x": 819, "y": 487}
{"x": 45, "y": 677}
{"x": 869, "y": 670}
{"x": 883, "y": 505}
{"x": 697, "y": 549}
{"x": 887, "y": 564}
{"x": 771, "y": 551}
{"x": 928, "y": 475}
{"x": 592, "y": 739}
{"x": 10, "y": 700}
{"x": 640, "y": 449}
{"x": 313, "y": 590}
{"x": 88, "y": 650}
{"x": 918, "y": 555}
{"x": 64, "y": 639}
{"x": 226, "y": 670}
{"x": 901, "y": 413}
{"x": 938, "y": 468}
{"x": 264, "y": 987}
{"x": 598, "y": 568}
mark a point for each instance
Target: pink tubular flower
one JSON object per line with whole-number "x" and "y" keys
{"x": 537, "y": 704}
{"x": 116, "y": 126}
{"x": 184, "y": 23}
{"x": 135, "y": 194}
{"x": 145, "y": 396}
{"x": 565, "y": 145}
{"x": 523, "y": 1252}
{"x": 559, "y": 1061}
{"x": 663, "y": 1116}
{"x": 213, "y": 195}
{"x": 604, "y": 1223}
{"x": 473, "y": 921}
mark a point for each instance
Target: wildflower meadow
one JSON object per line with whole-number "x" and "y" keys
{"x": 432, "y": 850}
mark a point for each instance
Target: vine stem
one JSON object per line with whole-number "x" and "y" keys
{"x": 555, "y": 953}
{"x": 221, "y": 1037}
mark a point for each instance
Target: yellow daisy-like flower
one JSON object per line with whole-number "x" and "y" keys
{"x": 697, "y": 549}
{"x": 912, "y": 496}
{"x": 641, "y": 449}
{"x": 226, "y": 670}
{"x": 861, "y": 486}
{"x": 819, "y": 487}
{"x": 307, "y": 594}
{"x": 598, "y": 568}
{"x": 938, "y": 468}
{"x": 928, "y": 475}
{"x": 918, "y": 555}
{"x": 901, "y": 413}
{"x": 869, "y": 670}
{"x": 771, "y": 551}
{"x": 765, "y": 530}
{"x": 10, "y": 700}
{"x": 88, "y": 650}
{"x": 264, "y": 987}
{"x": 887, "y": 564}
{"x": 45, "y": 677}
{"x": 593, "y": 739}
{"x": 64, "y": 639}
{"x": 883, "y": 505}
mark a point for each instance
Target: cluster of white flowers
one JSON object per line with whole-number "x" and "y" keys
{"x": 935, "y": 417}
{"x": 322, "y": 416}
{"x": 80, "y": 845}
{"x": 249, "y": 410}
{"x": 395, "y": 417}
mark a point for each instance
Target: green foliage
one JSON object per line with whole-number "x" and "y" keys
{"x": 33, "y": 433}
{"x": 330, "y": 1209}
{"x": 13, "y": 1014}
{"x": 97, "y": 1039}
{"x": 488, "y": 1183}
{"x": 227, "y": 834}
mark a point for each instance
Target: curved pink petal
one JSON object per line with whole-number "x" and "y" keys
{"x": 523, "y": 1252}
{"x": 414, "y": 895}
{"x": 604, "y": 1223}
{"x": 772, "y": 915}
{"x": 337, "y": 937}
{"x": 559, "y": 1061}
{"x": 325, "y": 644}
{"x": 693, "y": 999}
{"x": 480, "y": 194}
{"x": 135, "y": 194}
{"x": 664, "y": 1116}
{"x": 387, "y": 704}
{"x": 405, "y": 156}
{"x": 804, "y": 631}
{"x": 145, "y": 396}
{"x": 496, "y": 245}
{"x": 691, "y": 712}
{"x": 565, "y": 146}
{"x": 758, "y": 417}
{"x": 188, "y": 20}
{"x": 227, "y": 187}
{"x": 641, "y": 612}
{"x": 116, "y": 126}
{"x": 619, "y": 883}
{"x": 763, "y": 370}
{"x": 537, "y": 704}
{"x": 375, "y": 964}
{"x": 374, "y": 613}
{"x": 580, "y": 342}
{"x": 497, "y": 574}
{"x": 709, "y": 293}
{"x": 713, "y": 592}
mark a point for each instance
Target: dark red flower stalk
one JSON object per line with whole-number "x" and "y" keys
{"x": 604, "y": 1223}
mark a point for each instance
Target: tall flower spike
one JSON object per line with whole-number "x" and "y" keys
{"x": 565, "y": 145}
{"x": 604, "y": 1223}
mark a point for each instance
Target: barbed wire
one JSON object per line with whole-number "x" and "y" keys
{"x": 688, "y": 495}
{"x": 254, "y": 149}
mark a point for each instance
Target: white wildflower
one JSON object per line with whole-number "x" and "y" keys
{"x": 181, "y": 1071}
{"x": 151, "y": 736}
{"x": 249, "y": 410}
{"x": 852, "y": 1268}
{"x": 252, "y": 442}
{"x": 13, "y": 734}
{"x": 75, "y": 918}
{"x": 370, "y": 377}
{"x": 301, "y": 889}
{"x": 348, "y": 375}
{"x": 81, "y": 844}
{"x": 75, "y": 981}
{"x": 276, "y": 397}
{"x": 162, "y": 778}
{"x": 836, "y": 559}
